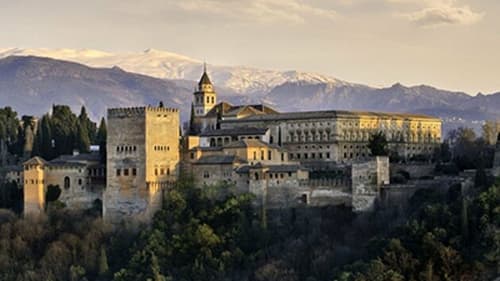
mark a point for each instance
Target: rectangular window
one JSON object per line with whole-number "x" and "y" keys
{"x": 134, "y": 172}
{"x": 282, "y": 156}
{"x": 269, "y": 155}
{"x": 125, "y": 172}
{"x": 262, "y": 155}
{"x": 305, "y": 155}
{"x": 118, "y": 172}
{"x": 254, "y": 155}
{"x": 162, "y": 171}
{"x": 156, "y": 171}
{"x": 328, "y": 155}
{"x": 313, "y": 155}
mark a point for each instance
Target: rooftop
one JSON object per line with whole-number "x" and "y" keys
{"x": 242, "y": 131}
{"x": 281, "y": 168}
{"x": 331, "y": 114}
{"x": 218, "y": 159}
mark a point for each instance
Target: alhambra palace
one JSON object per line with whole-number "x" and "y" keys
{"x": 285, "y": 159}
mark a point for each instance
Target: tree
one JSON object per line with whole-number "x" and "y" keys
{"x": 378, "y": 144}
{"x": 192, "y": 127}
{"x": 490, "y": 131}
{"x": 43, "y": 144}
{"x": 103, "y": 267}
{"x": 90, "y": 126}
{"x": 52, "y": 194}
{"x": 64, "y": 129}
{"x": 83, "y": 141}
{"x": 102, "y": 134}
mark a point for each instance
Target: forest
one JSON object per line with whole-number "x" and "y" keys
{"x": 212, "y": 234}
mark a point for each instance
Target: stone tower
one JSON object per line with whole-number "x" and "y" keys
{"x": 142, "y": 160}
{"x": 205, "y": 97}
{"x": 34, "y": 187}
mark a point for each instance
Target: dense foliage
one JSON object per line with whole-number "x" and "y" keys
{"x": 378, "y": 144}
{"x": 212, "y": 234}
{"x": 447, "y": 237}
{"x": 62, "y": 132}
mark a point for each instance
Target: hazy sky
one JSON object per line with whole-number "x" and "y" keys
{"x": 452, "y": 44}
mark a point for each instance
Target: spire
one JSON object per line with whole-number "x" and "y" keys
{"x": 204, "y": 78}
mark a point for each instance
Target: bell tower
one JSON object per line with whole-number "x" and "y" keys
{"x": 205, "y": 97}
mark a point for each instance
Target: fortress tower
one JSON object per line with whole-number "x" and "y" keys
{"x": 142, "y": 160}
{"x": 34, "y": 188}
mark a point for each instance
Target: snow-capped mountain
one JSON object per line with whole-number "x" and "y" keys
{"x": 161, "y": 64}
{"x": 31, "y": 80}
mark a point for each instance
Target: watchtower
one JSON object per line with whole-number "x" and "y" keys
{"x": 142, "y": 160}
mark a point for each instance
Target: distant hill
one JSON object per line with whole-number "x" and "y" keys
{"x": 32, "y": 84}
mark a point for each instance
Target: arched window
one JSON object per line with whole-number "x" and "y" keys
{"x": 66, "y": 183}
{"x": 257, "y": 176}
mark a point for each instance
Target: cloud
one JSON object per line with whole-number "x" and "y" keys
{"x": 264, "y": 11}
{"x": 440, "y": 12}
{"x": 445, "y": 15}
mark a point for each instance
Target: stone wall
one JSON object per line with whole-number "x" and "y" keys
{"x": 367, "y": 179}
{"x": 416, "y": 171}
{"x": 74, "y": 182}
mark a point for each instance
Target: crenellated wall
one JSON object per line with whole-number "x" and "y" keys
{"x": 142, "y": 160}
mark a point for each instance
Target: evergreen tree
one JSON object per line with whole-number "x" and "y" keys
{"x": 103, "y": 267}
{"x": 155, "y": 269}
{"x": 378, "y": 144}
{"x": 91, "y": 127}
{"x": 43, "y": 145}
{"x": 192, "y": 128}
{"x": 464, "y": 222}
{"x": 102, "y": 134}
{"x": 83, "y": 141}
{"x": 64, "y": 129}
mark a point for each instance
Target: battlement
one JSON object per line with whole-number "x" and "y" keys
{"x": 138, "y": 111}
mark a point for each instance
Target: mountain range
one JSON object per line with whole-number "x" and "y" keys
{"x": 31, "y": 80}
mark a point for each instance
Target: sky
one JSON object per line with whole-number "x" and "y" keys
{"x": 450, "y": 44}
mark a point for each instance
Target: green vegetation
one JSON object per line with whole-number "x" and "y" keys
{"x": 378, "y": 144}
{"x": 55, "y": 134}
{"x": 212, "y": 234}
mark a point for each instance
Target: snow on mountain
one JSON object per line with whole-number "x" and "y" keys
{"x": 166, "y": 65}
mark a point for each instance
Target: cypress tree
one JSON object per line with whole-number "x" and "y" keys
{"x": 91, "y": 127}
{"x": 103, "y": 266}
{"x": 83, "y": 141}
{"x": 192, "y": 129}
{"x": 43, "y": 139}
{"x": 102, "y": 134}
{"x": 465, "y": 221}
{"x": 47, "y": 148}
